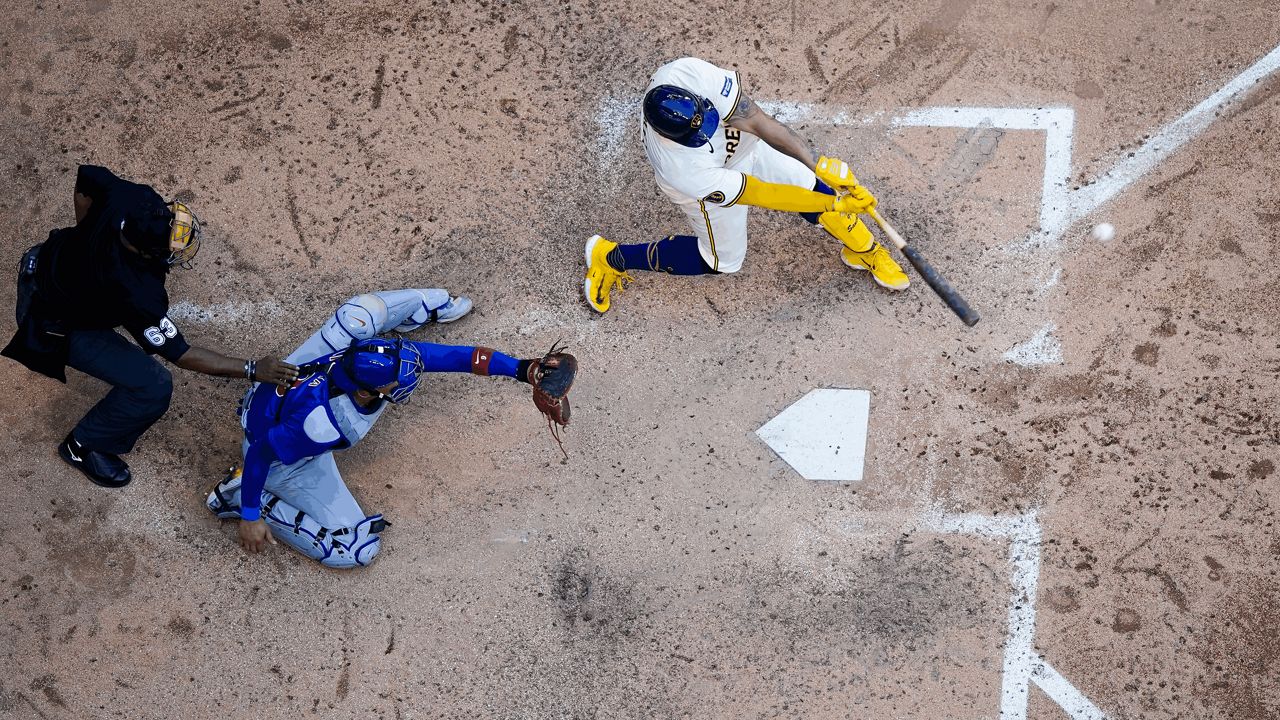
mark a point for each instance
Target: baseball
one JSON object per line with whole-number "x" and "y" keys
{"x": 1102, "y": 232}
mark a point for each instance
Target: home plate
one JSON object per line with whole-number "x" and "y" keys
{"x": 823, "y": 435}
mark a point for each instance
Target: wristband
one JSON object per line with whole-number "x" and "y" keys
{"x": 251, "y": 369}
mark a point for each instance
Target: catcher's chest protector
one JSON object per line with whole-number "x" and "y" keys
{"x": 304, "y": 420}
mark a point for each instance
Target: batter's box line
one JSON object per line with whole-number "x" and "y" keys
{"x": 1022, "y": 664}
{"x": 618, "y": 113}
{"x": 1060, "y": 206}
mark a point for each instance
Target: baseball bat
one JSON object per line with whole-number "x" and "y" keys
{"x": 939, "y": 284}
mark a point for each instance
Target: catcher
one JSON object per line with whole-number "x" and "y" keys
{"x": 288, "y": 485}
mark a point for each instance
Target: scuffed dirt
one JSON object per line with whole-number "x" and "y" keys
{"x": 673, "y": 567}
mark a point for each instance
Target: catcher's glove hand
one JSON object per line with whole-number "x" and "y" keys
{"x": 551, "y": 377}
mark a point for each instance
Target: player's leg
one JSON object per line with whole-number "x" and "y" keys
{"x": 140, "y": 393}
{"x": 860, "y": 251}
{"x": 308, "y": 506}
{"x": 718, "y": 245}
{"x": 375, "y": 313}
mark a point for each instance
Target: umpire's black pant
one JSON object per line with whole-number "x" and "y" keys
{"x": 139, "y": 396}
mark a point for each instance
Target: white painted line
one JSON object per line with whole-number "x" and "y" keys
{"x": 189, "y": 311}
{"x": 1065, "y": 694}
{"x": 617, "y": 113}
{"x": 1019, "y": 650}
{"x": 1173, "y": 136}
{"x": 1151, "y": 153}
{"x": 1022, "y": 664}
{"x": 1042, "y": 349}
{"x": 823, "y": 435}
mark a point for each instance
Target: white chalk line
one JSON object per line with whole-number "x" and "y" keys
{"x": 192, "y": 312}
{"x": 1078, "y": 203}
{"x": 1042, "y": 349}
{"x": 1022, "y": 665}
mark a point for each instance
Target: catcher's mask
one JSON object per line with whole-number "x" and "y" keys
{"x": 677, "y": 114}
{"x": 378, "y": 362}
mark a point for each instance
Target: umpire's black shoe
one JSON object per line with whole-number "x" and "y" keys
{"x": 102, "y": 468}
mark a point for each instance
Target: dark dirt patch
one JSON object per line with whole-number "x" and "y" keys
{"x": 1261, "y": 469}
{"x": 1126, "y": 621}
{"x": 1062, "y": 599}
{"x": 182, "y": 627}
{"x": 1147, "y": 354}
{"x": 1239, "y": 648}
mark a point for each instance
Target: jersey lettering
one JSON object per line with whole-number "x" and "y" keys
{"x": 728, "y": 87}
{"x": 154, "y": 336}
{"x": 168, "y": 328}
{"x": 731, "y": 136}
{"x": 716, "y": 197}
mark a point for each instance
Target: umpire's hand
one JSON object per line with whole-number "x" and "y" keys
{"x": 254, "y": 535}
{"x": 275, "y": 371}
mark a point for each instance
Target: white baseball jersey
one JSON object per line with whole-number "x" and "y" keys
{"x": 690, "y": 175}
{"x": 706, "y": 182}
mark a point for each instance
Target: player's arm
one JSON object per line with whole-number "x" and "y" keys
{"x": 473, "y": 359}
{"x": 253, "y": 531}
{"x": 157, "y": 334}
{"x": 211, "y": 362}
{"x": 793, "y": 198}
{"x": 748, "y": 116}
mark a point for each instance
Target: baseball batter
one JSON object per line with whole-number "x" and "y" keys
{"x": 714, "y": 152}
{"x": 288, "y": 485}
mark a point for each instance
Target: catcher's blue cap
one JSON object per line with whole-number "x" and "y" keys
{"x": 378, "y": 362}
{"x": 677, "y": 114}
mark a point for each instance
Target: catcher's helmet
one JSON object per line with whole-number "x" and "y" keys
{"x": 679, "y": 115}
{"x": 378, "y": 362}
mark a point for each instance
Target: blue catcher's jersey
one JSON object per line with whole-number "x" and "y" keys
{"x": 305, "y": 420}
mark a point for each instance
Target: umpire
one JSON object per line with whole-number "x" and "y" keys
{"x": 108, "y": 271}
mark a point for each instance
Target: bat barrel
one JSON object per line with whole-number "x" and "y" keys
{"x": 949, "y": 294}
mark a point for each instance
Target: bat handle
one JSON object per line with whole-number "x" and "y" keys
{"x": 894, "y": 237}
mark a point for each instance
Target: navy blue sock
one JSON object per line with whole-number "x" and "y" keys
{"x": 675, "y": 254}
{"x": 818, "y": 186}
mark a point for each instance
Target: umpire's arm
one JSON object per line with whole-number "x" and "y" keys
{"x": 210, "y": 362}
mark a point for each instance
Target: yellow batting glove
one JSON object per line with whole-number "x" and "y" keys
{"x": 857, "y": 200}
{"x": 835, "y": 173}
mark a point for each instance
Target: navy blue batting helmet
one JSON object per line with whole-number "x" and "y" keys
{"x": 680, "y": 115}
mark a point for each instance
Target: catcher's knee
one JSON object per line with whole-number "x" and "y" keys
{"x": 356, "y": 319}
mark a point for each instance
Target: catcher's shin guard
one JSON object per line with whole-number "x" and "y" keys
{"x": 364, "y": 316}
{"x": 336, "y": 548}
{"x": 224, "y": 499}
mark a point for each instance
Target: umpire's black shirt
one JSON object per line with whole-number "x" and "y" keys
{"x": 86, "y": 279}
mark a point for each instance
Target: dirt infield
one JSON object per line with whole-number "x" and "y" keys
{"x": 1067, "y": 511}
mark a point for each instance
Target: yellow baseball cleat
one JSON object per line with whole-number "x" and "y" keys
{"x": 602, "y": 278}
{"x": 862, "y": 252}
{"x": 884, "y": 270}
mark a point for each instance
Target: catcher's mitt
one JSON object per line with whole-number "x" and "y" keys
{"x": 551, "y": 377}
